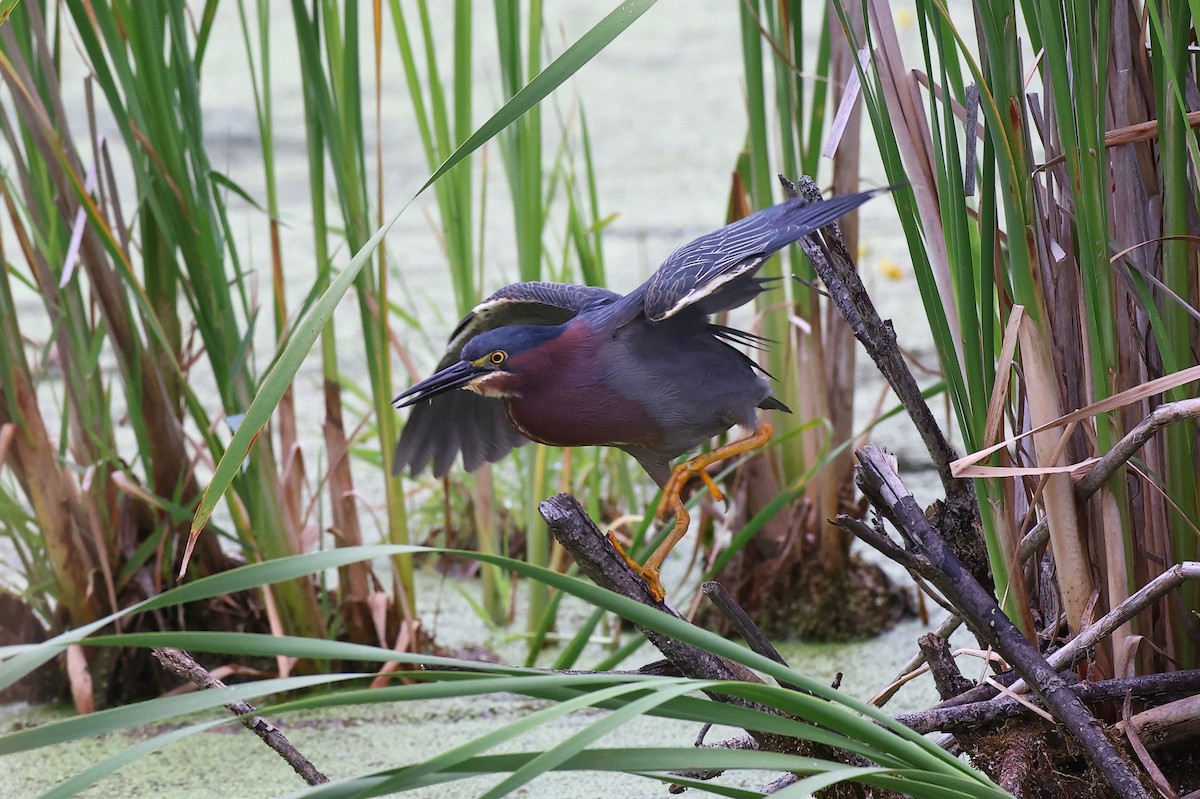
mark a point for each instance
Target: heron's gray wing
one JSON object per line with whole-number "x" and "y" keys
{"x": 457, "y": 421}
{"x": 464, "y": 422}
{"x": 533, "y": 303}
{"x": 716, "y": 272}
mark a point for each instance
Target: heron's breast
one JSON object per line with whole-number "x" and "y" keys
{"x": 566, "y": 397}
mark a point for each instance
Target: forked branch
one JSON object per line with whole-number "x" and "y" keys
{"x": 934, "y": 561}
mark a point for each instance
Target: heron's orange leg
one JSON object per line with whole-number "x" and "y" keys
{"x": 672, "y": 502}
{"x": 697, "y": 466}
{"x": 649, "y": 569}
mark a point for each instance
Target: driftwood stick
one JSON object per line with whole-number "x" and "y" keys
{"x": 959, "y": 516}
{"x": 755, "y": 638}
{"x": 836, "y": 270}
{"x": 185, "y": 666}
{"x": 880, "y": 483}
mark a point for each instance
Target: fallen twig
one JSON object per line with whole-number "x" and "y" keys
{"x": 186, "y": 666}
{"x": 836, "y": 269}
{"x": 963, "y": 717}
{"x": 747, "y": 629}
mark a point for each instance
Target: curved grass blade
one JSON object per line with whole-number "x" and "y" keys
{"x": 860, "y": 728}
{"x": 852, "y": 717}
{"x": 242, "y": 578}
{"x": 452, "y": 760}
{"x": 552, "y": 758}
{"x": 654, "y": 763}
{"x": 810, "y": 785}
{"x": 835, "y": 720}
{"x": 154, "y": 710}
{"x": 838, "y": 710}
{"x": 847, "y": 712}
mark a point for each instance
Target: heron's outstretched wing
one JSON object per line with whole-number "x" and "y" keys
{"x": 716, "y": 272}
{"x": 462, "y": 421}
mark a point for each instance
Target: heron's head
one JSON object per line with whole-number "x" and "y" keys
{"x": 487, "y": 363}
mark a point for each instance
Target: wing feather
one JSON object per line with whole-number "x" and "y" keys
{"x": 715, "y": 272}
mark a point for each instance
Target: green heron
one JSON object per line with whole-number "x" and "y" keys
{"x": 647, "y": 372}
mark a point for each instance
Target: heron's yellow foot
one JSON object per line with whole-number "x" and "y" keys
{"x": 652, "y": 583}
{"x": 671, "y": 502}
{"x": 616, "y": 544}
{"x": 649, "y": 569}
{"x": 650, "y": 575}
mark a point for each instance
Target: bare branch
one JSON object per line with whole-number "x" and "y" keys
{"x": 1150, "y": 593}
{"x": 878, "y": 480}
{"x": 1115, "y": 458}
{"x": 185, "y": 666}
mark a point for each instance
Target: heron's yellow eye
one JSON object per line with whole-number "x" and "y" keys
{"x": 498, "y": 357}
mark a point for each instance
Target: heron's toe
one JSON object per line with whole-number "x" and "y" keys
{"x": 650, "y": 575}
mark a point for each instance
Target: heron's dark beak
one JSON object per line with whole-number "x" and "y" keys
{"x": 451, "y": 377}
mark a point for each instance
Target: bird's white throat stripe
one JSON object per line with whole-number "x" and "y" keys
{"x": 486, "y": 385}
